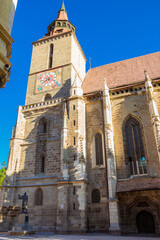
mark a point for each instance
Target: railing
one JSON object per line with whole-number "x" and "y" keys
{"x": 42, "y": 104}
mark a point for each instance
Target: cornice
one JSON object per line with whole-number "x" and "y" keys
{"x": 51, "y": 38}
{"x": 50, "y": 69}
{"x": 36, "y": 178}
{"x": 4, "y": 35}
{"x": 123, "y": 91}
{"x": 5, "y": 60}
{"x": 40, "y": 105}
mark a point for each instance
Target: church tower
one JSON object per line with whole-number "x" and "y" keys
{"x": 47, "y": 150}
{"x": 56, "y": 58}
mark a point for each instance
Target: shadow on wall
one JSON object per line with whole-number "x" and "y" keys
{"x": 64, "y": 91}
{"x": 39, "y": 167}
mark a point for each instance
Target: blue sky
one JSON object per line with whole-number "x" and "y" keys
{"x": 108, "y": 31}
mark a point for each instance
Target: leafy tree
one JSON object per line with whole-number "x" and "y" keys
{"x": 2, "y": 173}
{"x": 3, "y": 163}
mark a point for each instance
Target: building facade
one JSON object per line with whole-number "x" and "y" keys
{"x": 7, "y": 11}
{"x": 86, "y": 146}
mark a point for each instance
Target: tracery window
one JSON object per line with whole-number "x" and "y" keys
{"x": 96, "y": 196}
{"x": 39, "y": 197}
{"x": 135, "y": 147}
{"x": 99, "y": 149}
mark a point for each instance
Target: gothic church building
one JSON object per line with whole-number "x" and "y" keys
{"x": 86, "y": 146}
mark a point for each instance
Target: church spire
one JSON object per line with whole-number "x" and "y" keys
{"x": 61, "y": 24}
{"x": 62, "y": 14}
{"x": 63, "y": 7}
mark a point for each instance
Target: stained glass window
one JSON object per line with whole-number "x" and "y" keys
{"x": 135, "y": 147}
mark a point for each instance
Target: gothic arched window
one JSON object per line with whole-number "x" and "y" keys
{"x": 99, "y": 149}
{"x": 96, "y": 196}
{"x": 135, "y": 147}
{"x": 38, "y": 197}
{"x": 42, "y": 125}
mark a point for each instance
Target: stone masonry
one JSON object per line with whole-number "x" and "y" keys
{"x": 69, "y": 149}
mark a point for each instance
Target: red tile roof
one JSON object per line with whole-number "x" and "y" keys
{"x": 122, "y": 73}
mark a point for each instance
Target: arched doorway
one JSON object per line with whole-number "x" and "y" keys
{"x": 145, "y": 222}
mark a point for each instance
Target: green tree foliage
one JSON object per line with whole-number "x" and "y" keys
{"x": 4, "y": 164}
{"x": 2, "y": 173}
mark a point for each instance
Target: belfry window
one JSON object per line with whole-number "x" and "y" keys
{"x": 96, "y": 196}
{"x": 99, "y": 149}
{"x": 38, "y": 197}
{"x": 51, "y": 56}
{"x": 135, "y": 147}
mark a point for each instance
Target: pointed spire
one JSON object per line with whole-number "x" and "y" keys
{"x": 76, "y": 88}
{"x": 76, "y": 82}
{"x": 147, "y": 76}
{"x": 63, "y": 7}
{"x": 65, "y": 109}
{"x": 105, "y": 84}
{"x": 62, "y": 14}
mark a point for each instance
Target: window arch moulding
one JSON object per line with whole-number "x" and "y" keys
{"x": 93, "y": 150}
{"x": 134, "y": 145}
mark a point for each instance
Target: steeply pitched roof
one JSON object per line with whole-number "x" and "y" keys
{"x": 122, "y": 73}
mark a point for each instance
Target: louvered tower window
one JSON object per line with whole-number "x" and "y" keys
{"x": 51, "y": 56}
{"x": 135, "y": 147}
{"x": 99, "y": 149}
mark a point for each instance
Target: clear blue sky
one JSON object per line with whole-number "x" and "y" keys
{"x": 108, "y": 31}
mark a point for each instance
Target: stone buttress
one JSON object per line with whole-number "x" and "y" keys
{"x": 111, "y": 163}
{"x": 153, "y": 111}
{"x": 72, "y": 204}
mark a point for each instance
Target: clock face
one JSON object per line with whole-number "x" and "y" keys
{"x": 48, "y": 79}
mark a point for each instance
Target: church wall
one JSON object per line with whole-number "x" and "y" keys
{"x": 63, "y": 91}
{"x": 40, "y": 62}
{"x": 157, "y": 98}
{"x": 78, "y": 58}
{"x": 41, "y": 218}
{"x": 34, "y": 142}
{"x": 61, "y": 53}
{"x": 136, "y": 105}
{"x": 97, "y": 212}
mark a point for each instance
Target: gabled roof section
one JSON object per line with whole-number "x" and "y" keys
{"x": 122, "y": 73}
